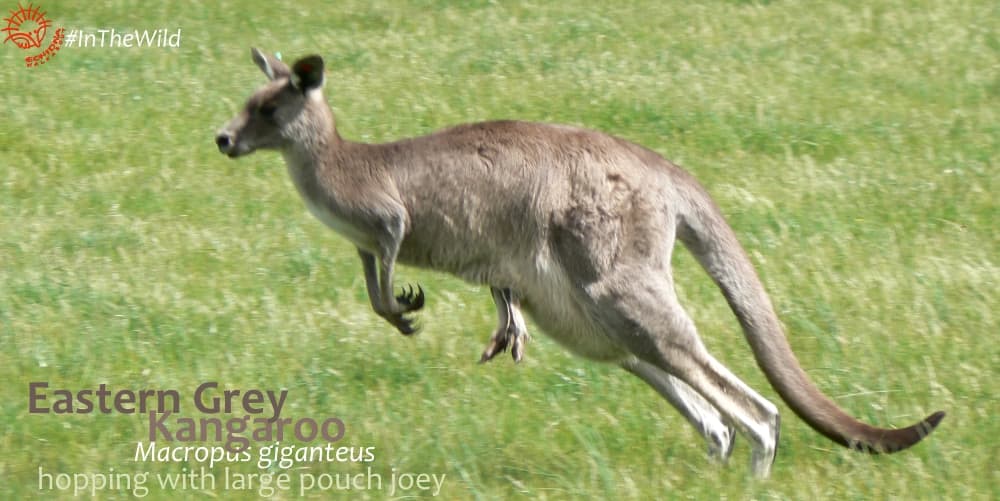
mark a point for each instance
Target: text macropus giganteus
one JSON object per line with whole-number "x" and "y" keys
{"x": 576, "y": 225}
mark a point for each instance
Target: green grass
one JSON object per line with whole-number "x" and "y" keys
{"x": 854, "y": 147}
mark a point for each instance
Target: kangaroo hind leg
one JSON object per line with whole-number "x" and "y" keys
{"x": 705, "y": 418}
{"x": 645, "y": 316}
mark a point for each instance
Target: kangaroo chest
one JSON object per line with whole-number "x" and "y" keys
{"x": 324, "y": 208}
{"x": 338, "y": 224}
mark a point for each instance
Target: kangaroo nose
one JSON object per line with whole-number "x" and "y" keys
{"x": 224, "y": 141}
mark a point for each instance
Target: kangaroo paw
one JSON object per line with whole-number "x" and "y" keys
{"x": 409, "y": 300}
{"x": 404, "y": 324}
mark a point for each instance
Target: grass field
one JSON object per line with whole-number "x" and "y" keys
{"x": 853, "y": 146}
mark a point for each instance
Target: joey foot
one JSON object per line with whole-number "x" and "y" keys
{"x": 511, "y": 335}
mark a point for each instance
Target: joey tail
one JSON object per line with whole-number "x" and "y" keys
{"x": 704, "y": 231}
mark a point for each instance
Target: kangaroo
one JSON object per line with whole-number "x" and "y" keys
{"x": 573, "y": 226}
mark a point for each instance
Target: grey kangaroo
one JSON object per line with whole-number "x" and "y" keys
{"x": 573, "y": 226}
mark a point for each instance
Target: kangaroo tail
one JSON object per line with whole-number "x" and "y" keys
{"x": 704, "y": 231}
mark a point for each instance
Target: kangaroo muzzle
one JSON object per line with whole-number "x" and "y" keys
{"x": 225, "y": 142}
{"x": 229, "y": 145}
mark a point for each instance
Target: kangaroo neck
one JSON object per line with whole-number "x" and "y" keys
{"x": 314, "y": 137}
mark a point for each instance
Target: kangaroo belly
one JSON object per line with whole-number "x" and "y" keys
{"x": 569, "y": 326}
{"x": 551, "y": 301}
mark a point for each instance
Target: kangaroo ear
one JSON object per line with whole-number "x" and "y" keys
{"x": 307, "y": 73}
{"x": 271, "y": 66}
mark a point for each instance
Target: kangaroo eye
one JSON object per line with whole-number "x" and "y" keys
{"x": 267, "y": 110}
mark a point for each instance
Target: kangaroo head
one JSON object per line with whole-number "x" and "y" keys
{"x": 278, "y": 114}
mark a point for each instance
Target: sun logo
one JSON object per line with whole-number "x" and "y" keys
{"x": 26, "y": 27}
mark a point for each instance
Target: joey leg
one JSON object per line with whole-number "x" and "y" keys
{"x": 511, "y": 330}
